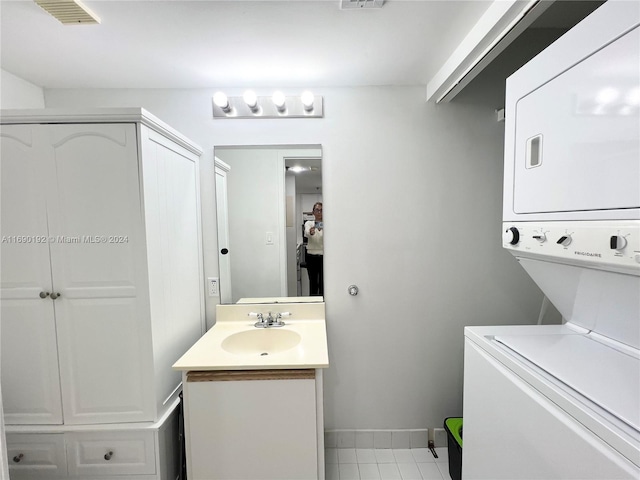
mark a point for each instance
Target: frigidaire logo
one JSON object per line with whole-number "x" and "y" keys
{"x": 588, "y": 254}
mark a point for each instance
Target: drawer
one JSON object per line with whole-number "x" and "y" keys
{"x": 111, "y": 453}
{"x": 36, "y": 456}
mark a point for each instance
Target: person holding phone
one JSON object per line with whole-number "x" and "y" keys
{"x": 314, "y": 231}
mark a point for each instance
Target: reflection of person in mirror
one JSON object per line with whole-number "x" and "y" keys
{"x": 314, "y": 231}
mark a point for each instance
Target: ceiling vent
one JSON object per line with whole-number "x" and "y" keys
{"x": 351, "y": 4}
{"x": 69, "y": 12}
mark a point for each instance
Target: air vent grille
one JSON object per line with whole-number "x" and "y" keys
{"x": 350, "y": 4}
{"x": 69, "y": 12}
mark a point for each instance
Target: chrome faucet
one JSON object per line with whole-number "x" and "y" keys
{"x": 269, "y": 321}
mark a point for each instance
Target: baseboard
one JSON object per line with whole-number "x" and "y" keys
{"x": 400, "y": 438}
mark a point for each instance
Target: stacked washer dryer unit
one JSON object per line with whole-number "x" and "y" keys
{"x": 563, "y": 401}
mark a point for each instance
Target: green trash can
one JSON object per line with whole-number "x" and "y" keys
{"x": 453, "y": 426}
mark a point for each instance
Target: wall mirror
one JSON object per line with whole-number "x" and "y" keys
{"x": 264, "y": 194}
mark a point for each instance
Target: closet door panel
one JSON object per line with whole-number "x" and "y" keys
{"x": 25, "y": 236}
{"x": 30, "y": 378}
{"x": 105, "y": 380}
{"x": 98, "y": 211}
{"x": 102, "y": 312}
{"x": 28, "y": 346}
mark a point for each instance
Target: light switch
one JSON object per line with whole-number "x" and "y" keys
{"x": 269, "y": 238}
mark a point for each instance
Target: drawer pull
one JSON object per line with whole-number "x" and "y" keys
{"x": 19, "y": 457}
{"x": 107, "y": 456}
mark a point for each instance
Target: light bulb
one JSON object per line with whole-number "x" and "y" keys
{"x": 278, "y": 99}
{"x": 221, "y": 101}
{"x": 251, "y": 99}
{"x": 307, "y": 100}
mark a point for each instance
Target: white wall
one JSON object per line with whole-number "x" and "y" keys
{"x": 18, "y": 93}
{"x": 412, "y": 204}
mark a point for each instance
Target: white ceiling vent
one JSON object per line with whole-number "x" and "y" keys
{"x": 69, "y": 12}
{"x": 349, "y": 4}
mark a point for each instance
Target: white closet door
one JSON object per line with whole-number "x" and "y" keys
{"x": 28, "y": 331}
{"x": 102, "y": 314}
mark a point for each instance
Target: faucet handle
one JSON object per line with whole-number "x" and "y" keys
{"x": 262, "y": 322}
{"x": 278, "y": 321}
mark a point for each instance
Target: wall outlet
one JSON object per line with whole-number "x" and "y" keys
{"x": 212, "y": 286}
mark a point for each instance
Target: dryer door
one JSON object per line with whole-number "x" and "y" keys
{"x": 577, "y": 137}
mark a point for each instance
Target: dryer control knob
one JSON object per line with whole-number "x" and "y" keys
{"x": 564, "y": 240}
{"x": 617, "y": 242}
{"x": 511, "y": 236}
{"x": 541, "y": 237}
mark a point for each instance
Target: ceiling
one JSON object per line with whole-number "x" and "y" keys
{"x": 217, "y": 43}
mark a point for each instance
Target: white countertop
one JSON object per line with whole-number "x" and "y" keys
{"x": 307, "y": 320}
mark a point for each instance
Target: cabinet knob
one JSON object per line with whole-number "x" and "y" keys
{"x": 44, "y": 294}
{"x": 55, "y": 295}
{"x": 19, "y": 457}
{"x": 108, "y": 455}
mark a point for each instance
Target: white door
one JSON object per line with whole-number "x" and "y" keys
{"x": 30, "y": 379}
{"x": 101, "y": 312}
{"x": 222, "y": 211}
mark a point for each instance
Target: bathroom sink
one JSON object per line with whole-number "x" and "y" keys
{"x": 233, "y": 343}
{"x": 263, "y": 341}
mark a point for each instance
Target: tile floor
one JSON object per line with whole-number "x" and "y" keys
{"x": 386, "y": 464}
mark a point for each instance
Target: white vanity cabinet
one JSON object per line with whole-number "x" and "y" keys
{"x": 101, "y": 274}
{"x": 253, "y": 399}
{"x": 254, "y": 425}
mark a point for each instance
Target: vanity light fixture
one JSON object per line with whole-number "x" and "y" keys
{"x": 221, "y": 101}
{"x": 251, "y": 99}
{"x": 307, "y": 99}
{"x": 279, "y": 100}
{"x": 277, "y": 105}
